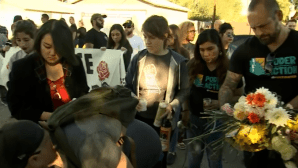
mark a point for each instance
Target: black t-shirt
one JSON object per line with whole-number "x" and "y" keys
{"x": 82, "y": 32}
{"x": 73, "y": 28}
{"x": 204, "y": 86}
{"x": 154, "y": 82}
{"x": 98, "y": 39}
{"x": 250, "y": 59}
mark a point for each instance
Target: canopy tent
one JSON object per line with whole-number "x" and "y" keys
{"x": 45, "y": 6}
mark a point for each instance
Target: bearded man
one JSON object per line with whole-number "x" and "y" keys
{"x": 94, "y": 37}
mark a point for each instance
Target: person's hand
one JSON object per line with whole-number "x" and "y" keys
{"x": 169, "y": 112}
{"x": 44, "y": 124}
{"x": 185, "y": 118}
{"x": 139, "y": 106}
{"x": 7, "y": 66}
{"x": 103, "y": 48}
{"x": 58, "y": 162}
{"x": 123, "y": 49}
{"x": 213, "y": 105}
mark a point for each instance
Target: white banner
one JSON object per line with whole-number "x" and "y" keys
{"x": 100, "y": 66}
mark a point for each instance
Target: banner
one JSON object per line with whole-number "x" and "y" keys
{"x": 101, "y": 67}
{"x": 4, "y": 73}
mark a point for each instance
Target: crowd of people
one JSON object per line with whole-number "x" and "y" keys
{"x": 63, "y": 124}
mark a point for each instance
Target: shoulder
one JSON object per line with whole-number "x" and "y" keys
{"x": 179, "y": 58}
{"x": 91, "y": 31}
{"x": 24, "y": 65}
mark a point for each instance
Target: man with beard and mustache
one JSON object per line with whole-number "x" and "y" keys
{"x": 269, "y": 60}
{"x": 94, "y": 37}
{"x": 135, "y": 41}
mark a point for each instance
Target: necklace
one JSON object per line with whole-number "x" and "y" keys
{"x": 54, "y": 87}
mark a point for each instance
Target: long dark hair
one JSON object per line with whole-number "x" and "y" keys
{"x": 123, "y": 40}
{"x": 62, "y": 40}
{"x": 176, "y": 35}
{"x": 197, "y": 64}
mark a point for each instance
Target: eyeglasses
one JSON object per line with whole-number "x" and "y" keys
{"x": 230, "y": 35}
{"x": 269, "y": 60}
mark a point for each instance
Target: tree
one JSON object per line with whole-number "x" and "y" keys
{"x": 284, "y": 6}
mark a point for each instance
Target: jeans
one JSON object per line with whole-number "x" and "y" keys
{"x": 174, "y": 138}
{"x": 196, "y": 150}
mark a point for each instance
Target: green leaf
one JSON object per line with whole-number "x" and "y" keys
{"x": 274, "y": 129}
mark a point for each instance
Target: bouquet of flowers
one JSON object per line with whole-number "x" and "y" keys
{"x": 254, "y": 123}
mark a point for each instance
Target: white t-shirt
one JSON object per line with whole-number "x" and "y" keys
{"x": 137, "y": 44}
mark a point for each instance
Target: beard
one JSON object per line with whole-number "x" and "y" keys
{"x": 99, "y": 25}
{"x": 129, "y": 33}
{"x": 270, "y": 38}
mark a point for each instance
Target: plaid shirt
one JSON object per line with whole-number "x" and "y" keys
{"x": 4, "y": 31}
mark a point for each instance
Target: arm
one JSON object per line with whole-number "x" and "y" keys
{"x": 21, "y": 95}
{"x": 89, "y": 45}
{"x": 228, "y": 88}
{"x": 293, "y": 103}
{"x": 131, "y": 74}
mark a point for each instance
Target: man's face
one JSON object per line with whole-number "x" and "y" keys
{"x": 153, "y": 44}
{"x": 291, "y": 25}
{"x": 44, "y": 19}
{"x": 266, "y": 28}
{"x": 191, "y": 33}
{"x": 128, "y": 29}
{"x": 99, "y": 22}
{"x": 71, "y": 20}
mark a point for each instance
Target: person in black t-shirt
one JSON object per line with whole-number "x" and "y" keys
{"x": 117, "y": 40}
{"x": 207, "y": 71}
{"x": 269, "y": 59}
{"x": 158, "y": 73}
{"x": 94, "y": 37}
{"x": 81, "y": 33}
{"x": 74, "y": 29}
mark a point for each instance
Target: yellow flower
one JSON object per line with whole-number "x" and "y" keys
{"x": 293, "y": 125}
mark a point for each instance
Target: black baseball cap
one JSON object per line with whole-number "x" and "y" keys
{"x": 97, "y": 15}
{"x": 18, "y": 141}
{"x": 128, "y": 23}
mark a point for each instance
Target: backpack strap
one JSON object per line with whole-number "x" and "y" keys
{"x": 132, "y": 159}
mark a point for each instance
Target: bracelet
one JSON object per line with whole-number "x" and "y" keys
{"x": 289, "y": 106}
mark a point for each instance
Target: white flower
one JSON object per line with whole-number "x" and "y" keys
{"x": 240, "y": 115}
{"x": 271, "y": 100}
{"x": 240, "y": 106}
{"x": 290, "y": 164}
{"x": 277, "y": 116}
{"x": 242, "y": 99}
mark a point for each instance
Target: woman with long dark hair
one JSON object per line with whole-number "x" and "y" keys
{"x": 174, "y": 41}
{"x": 50, "y": 77}
{"x": 207, "y": 71}
{"x": 118, "y": 41}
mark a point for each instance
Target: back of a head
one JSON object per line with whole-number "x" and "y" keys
{"x": 92, "y": 125}
{"x": 18, "y": 141}
{"x": 26, "y": 27}
{"x": 270, "y": 5}
{"x": 224, "y": 27}
{"x": 46, "y": 16}
{"x": 17, "y": 18}
{"x": 62, "y": 39}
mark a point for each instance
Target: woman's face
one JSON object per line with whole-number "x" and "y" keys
{"x": 209, "y": 52}
{"x": 25, "y": 42}
{"x": 191, "y": 33}
{"x": 116, "y": 36}
{"x": 154, "y": 44}
{"x": 228, "y": 37}
{"x": 171, "y": 39}
{"x": 48, "y": 50}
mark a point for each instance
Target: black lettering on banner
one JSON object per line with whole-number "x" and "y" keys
{"x": 88, "y": 63}
{"x": 80, "y": 55}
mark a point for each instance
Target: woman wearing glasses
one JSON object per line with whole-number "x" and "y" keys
{"x": 227, "y": 36}
{"x": 207, "y": 71}
{"x": 48, "y": 78}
